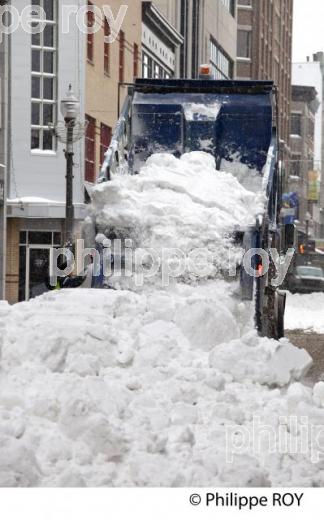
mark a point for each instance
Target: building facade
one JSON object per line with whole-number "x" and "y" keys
{"x": 264, "y": 50}
{"x": 43, "y": 65}
{"x": 109, "y": 67}
{"x": 311, "y": 72}
{"x": 302, "y": 174}
{"x": 160, "y": 44}
{"x": 4, "y": 71}
{"x": 209, "y": 31}
{"x": 159, "y": 39}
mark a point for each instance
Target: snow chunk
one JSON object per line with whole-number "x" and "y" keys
{"x": 318, "y": 394}
{"x": 289, "y": 363}
{"x": 201, "y": 112}
{"x": 261, "y": 360}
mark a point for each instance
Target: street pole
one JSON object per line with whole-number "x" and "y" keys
{"x": 69, "y": 210}
{"x": 70, "y": 109}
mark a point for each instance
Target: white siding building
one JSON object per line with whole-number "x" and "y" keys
{"x": 42, "y": 67}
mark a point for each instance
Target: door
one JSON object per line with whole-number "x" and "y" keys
{"x": 37, "y": 270}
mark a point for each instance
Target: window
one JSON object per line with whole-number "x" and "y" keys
{"x": 230, "y": 6}
{"x": 90, "y": 150}
{"x": 121, "y": 57}
{"x": 222, "y": 65}
{"x": 270, "y": 16}
{"x": 153, "y": 69}
{"x": 295, "y": 165}
{"x": 106, "y": 49}
{"x": 147, "y": 66}
{"x": 43, "y": 81}
{"x": 277, "y": 28}
{"x": 276, "y": 72}
{"x": 135, "y": 71}
{"x": 105, "y": 139}
{"x": 310, "y": 162}
{"x": 244, "y": 3}
{"x": 157, "y": 71}
{"x": 311, "y": 128}
{"x": 244, "y": 47}
{"x": 90, "y": 36}
{"x": 296, "y": 124}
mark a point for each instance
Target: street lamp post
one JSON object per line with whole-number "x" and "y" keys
{"x": 70, "y": 110}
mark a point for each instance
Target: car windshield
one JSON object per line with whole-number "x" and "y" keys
{"x": 315, "y": 272}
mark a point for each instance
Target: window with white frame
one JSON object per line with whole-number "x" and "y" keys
{"x": 44, "y": 77}
{"x": 230, "y": 6}
{"x": 153, "y": 69}
{"x": 296, "y": 124}
{"x": 222, "y": 65}
{"x": 244, "y": 43}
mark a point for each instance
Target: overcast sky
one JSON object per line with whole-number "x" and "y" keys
{"x": 308, "y": 28}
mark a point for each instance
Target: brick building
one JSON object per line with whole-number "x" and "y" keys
{"x": 311, "y": 72}
{"x": 108, "y": 65}
{"x": 264, "y": 49}
{"x": 302, "y": 178}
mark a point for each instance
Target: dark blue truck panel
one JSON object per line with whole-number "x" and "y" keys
{"x": 241, "y": 126}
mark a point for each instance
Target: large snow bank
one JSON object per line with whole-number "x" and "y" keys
{"x": 104, "y": 388}
{"x": 148, "y": 388}
{"x": 305, "y": 312}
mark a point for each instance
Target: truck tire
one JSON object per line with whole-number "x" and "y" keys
{"x": 270, "y": 320}
{"x": 281, "y": 306}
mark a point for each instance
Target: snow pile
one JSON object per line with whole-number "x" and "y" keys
{"x": 249, "y": 178}
{"x": 113, "y": 388}
{"x": 151, "y": 387}
{"x": 305, "y": 312}
{"x": 183, "y": 204}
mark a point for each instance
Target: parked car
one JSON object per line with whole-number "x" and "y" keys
{"x": 306, "y": 279}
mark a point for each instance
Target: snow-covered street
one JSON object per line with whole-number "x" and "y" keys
{"x": 305, "y": 328}
{"x": 305, "y": 312}
{"x": 152, "y": 386}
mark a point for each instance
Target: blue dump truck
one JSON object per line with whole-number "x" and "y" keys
{"x": 157, "y": 116}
